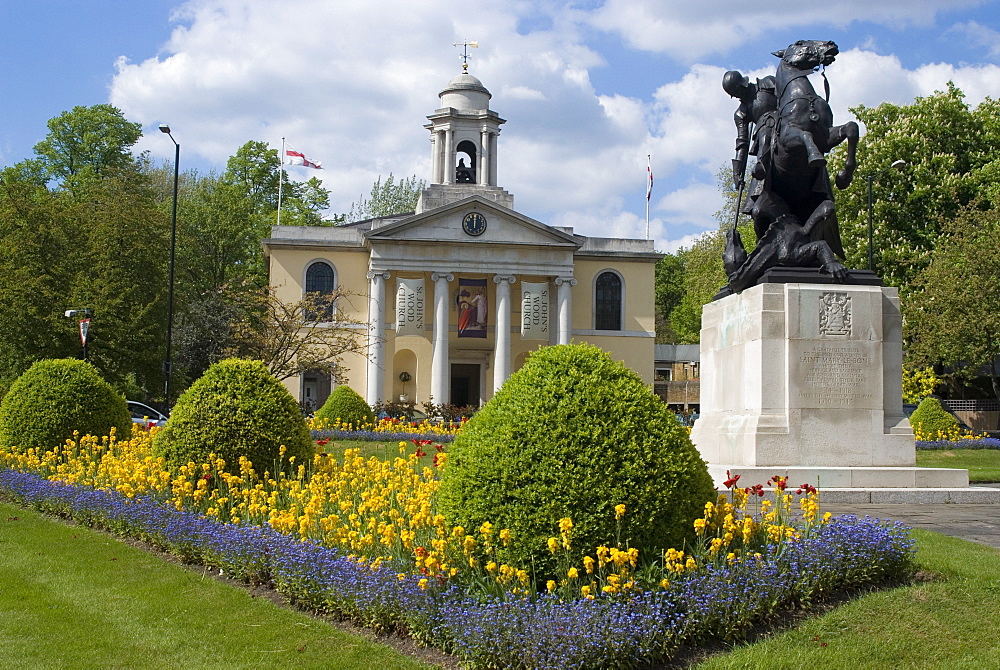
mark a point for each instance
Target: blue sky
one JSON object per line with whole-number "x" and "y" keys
{"x": 588, "y": 88}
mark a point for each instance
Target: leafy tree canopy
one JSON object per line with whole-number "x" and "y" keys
{"x": 386, "y": 198}
{"x": 85, "y": 140}
{"x": 951, "y": 152}
{"x": 954, "y": 320}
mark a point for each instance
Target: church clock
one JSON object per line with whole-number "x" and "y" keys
{"x": 474, "y": 224}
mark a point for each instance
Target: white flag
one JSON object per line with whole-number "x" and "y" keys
{"x": 293, "y": 157}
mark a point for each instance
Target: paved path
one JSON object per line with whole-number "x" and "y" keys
{"x": 978, "y": 523}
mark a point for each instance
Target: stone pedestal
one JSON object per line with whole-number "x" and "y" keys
{"x": 804, "y": 380}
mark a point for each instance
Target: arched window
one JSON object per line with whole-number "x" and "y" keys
{"x": 465, "y": 168}
{"x": 608, "y": 301}
{"x": 321, "y": 280}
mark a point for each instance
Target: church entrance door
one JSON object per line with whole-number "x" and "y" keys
{"x": 465, "y": 379}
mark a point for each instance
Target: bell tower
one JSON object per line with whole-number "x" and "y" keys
{"x": 463, "y": 138}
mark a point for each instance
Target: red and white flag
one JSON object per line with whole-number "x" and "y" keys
{"x": 649, "y": 179}
{"x": 293, "y": 157}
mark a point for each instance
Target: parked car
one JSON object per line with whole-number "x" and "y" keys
{"x": 146, "y": 415}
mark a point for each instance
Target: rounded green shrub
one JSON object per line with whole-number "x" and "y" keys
{"x": 930, "y": 419}
{"x": 573, "y": 434}
{"x": 345, "y": 404}
{"x": 54, "y": 398}
{"x": 237, "y": 408}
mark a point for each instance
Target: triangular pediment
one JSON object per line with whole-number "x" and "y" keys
{"x": 500, "y": 226}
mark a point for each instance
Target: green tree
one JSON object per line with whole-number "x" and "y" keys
{"x": 951, "y": 151}
{"x": 386, "y": 198}
{"x": 88, "y": 140}
{"x": 38, "y": 264}
{"x": 96, "y": 240}
{"x": 121, "y": 273}
{"x": 254, "y": 172}
{"x": 955, "y": 323}
{"x": 703, "y": 274}
{"x": 669, "y": 291}
{"x": 313, "y": 333}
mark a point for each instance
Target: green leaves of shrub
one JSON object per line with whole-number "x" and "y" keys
{"x": 930, "y": 418}
{"x": 53, "y": 398}
{"x": 345, "y": 404}
{"x": 237, "y": 408}
{"x": 572, "y": 434}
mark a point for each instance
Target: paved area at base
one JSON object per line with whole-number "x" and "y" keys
{"x": 978, "y": 523}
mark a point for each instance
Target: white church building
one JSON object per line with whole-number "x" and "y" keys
{"x": 460, "y": 292}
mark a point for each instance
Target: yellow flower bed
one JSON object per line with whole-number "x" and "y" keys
{"x": 383, "y": 510}
{"x": 390, "y": 426}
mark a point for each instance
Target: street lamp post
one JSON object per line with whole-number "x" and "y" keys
{"x": 168, "y": 362}
{"x": 896, "y": 165}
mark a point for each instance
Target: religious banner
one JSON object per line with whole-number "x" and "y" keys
{"x": 410, "y": 307}
{"x": 534, "y": 310}
{"x": 472, "y": 307}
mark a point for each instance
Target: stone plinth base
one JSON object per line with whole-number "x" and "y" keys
{"x": 844, "y": 478}
{"x": 805, "y": 381}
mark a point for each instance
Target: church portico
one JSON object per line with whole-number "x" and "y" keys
{"x": 456, "y": 295}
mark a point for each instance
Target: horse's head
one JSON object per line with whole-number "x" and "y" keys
{"x": 807, "y": 54}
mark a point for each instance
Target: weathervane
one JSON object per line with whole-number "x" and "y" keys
{"x": 465, "y": 53}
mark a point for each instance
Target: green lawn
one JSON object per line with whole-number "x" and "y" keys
{"x": 75, "y": 598}
{"x": 983, "y": 464}
{"x": 949, "y": 622}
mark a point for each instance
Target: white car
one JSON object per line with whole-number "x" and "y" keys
{"x": 146, "y": 415}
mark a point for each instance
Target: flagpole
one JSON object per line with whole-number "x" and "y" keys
{"x": 649, "y": 189}
{"x": 281, "y": 176}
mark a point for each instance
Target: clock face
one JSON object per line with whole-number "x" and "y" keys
{"x": 474, "y": 223}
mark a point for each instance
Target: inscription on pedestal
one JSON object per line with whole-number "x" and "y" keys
{"x": 835, "y": 375}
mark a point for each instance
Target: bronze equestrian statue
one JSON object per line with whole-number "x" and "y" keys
{"x": 793, "y": 130}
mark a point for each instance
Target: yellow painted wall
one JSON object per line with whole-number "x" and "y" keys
{"x": 413, "y": 354}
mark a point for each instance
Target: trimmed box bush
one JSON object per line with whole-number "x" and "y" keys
{"x": 56, "y": 397}
{"x": 572, "y": 434}
{"x": 237, "y": 408}
{"x": 346, "y": 404}
{"x": 930, "y": 419}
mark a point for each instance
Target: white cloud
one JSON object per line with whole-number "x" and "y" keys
{"x": 690, "y": 31}
{"x": 979, "y": 35}
{"x": 351, "y": 86}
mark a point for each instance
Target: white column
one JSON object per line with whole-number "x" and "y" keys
{"x": 501, "y": 353}
{"x": 435, "y": 158}
{"x": 440, "y": 377}
{"x": 484, "y": 158}
{"x": 493, "y": 160}
{"x": 448, "y": 160}
{"x": 376, "y": 336}
{"x": 565, "y": 308}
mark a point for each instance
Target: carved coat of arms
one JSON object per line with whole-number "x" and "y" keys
{"x": 835, "y": 314}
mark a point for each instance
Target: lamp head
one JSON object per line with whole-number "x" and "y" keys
{"x": 164, "y": 128}
{"x": 898, "y": 165}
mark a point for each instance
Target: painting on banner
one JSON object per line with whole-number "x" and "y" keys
{"x": 473, "y": 306}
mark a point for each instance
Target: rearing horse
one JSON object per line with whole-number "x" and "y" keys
{"x": 805, "y": 133}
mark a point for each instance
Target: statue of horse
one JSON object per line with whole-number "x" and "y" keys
{"x": 798, "y": 182}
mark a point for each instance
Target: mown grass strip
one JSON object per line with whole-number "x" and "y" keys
{"x": 947, "y": 622}
{"x": 73, "y": 597}
{"x": 983, "y": 464}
